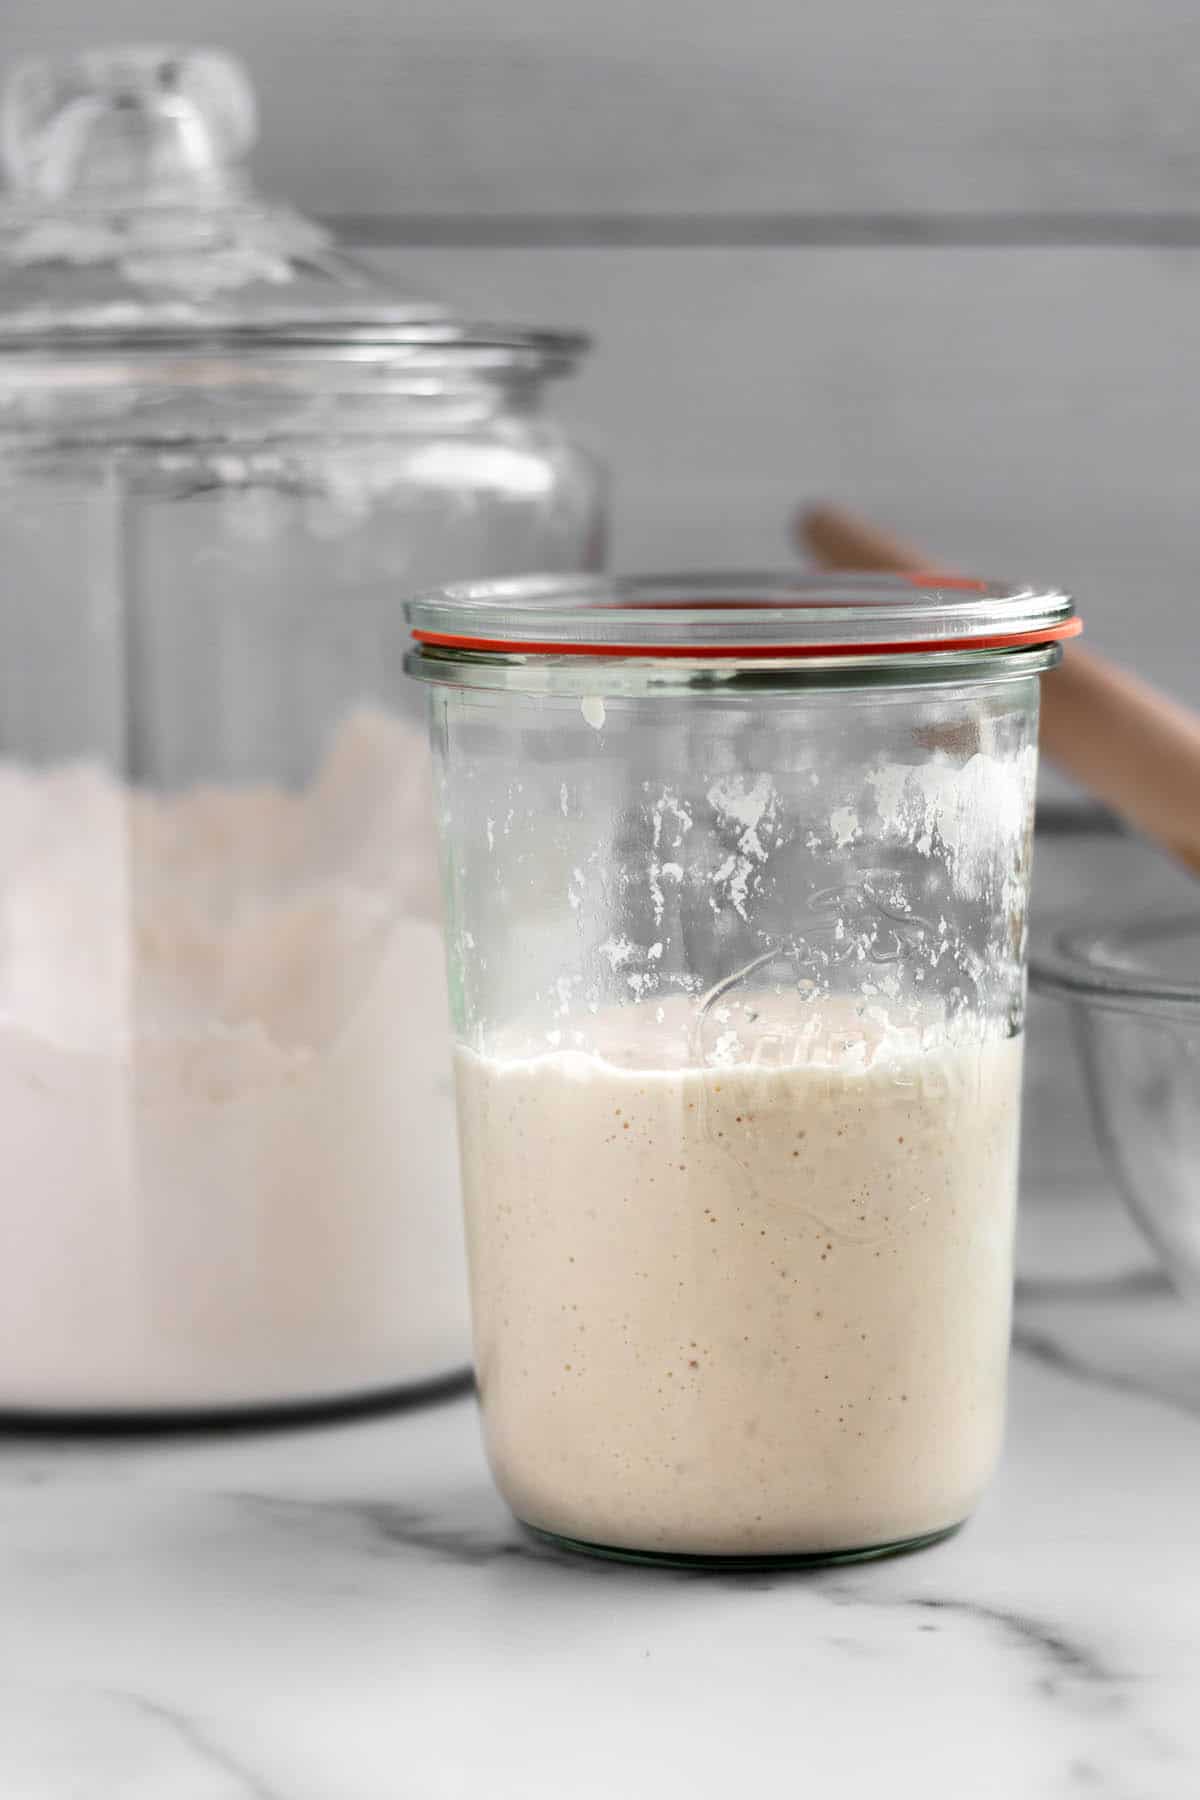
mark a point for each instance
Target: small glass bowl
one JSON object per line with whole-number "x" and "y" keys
{"x": 1134, "y": 996}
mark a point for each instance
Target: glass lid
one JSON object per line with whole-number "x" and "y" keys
{"x": 130, "y": 226}
{"x": 741, "y": 615}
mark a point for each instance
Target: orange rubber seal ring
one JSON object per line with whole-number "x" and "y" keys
{"x": 1013, "y": 640}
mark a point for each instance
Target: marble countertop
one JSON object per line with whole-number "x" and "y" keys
{"x": 348, "y": 1613}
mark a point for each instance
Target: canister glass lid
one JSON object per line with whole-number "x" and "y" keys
{"x": 130, "y": 225}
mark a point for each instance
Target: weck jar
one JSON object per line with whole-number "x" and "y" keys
{"x": 736, "y": 875}
{"x": 226, "y": 1101}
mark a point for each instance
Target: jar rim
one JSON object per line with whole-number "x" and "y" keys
{"x": 378, "y": 338}
{"x": 740, "y": 615}
{"x": 1118, "y": 966}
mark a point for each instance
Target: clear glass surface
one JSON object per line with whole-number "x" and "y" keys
{"x": 224, "y": 1079}
{"x": 225, "y": 452}
{"x": 737, "y": 978}
{"x": 1134, "y": 994}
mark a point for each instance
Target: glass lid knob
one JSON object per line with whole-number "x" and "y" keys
{"x": 130, "y": 120}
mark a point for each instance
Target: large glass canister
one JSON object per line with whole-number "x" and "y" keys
{"x": 225, "y": 1090}
{"x": 736, "y": 879}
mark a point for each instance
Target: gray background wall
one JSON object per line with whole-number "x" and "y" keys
{"x": 940, "y": 261}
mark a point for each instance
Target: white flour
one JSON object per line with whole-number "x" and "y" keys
{"x": 225, "y": 1091}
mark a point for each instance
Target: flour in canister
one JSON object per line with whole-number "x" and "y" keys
{"x": 225, "y": 1091}
{"x": 746, "y": 1300}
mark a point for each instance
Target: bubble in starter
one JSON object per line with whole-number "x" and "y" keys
{"x": 592, "y": 708}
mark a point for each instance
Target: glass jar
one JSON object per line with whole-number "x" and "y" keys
{"x": 736, "y": 875}
{"x": 225, "y": 1087}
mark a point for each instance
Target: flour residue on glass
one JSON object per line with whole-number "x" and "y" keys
{"x": 750, "y": 807}
{"x": 888, "y": 887}
{"x": 975, "y": 816}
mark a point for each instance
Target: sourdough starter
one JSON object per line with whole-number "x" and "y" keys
{"x": 226, "y": 1098}
{"x": 750, "y": 1302}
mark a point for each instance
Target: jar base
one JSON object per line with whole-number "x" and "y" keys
{"x": 270, "y": 1415}
{"x": 717, "y": 1565}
